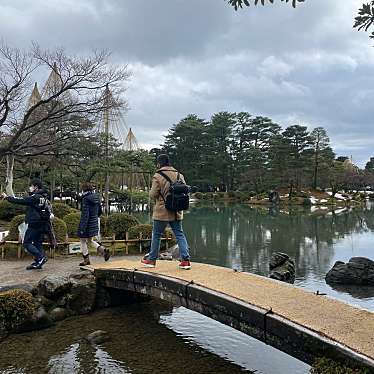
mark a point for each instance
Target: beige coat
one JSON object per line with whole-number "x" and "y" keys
{"x": 161, "y": 186}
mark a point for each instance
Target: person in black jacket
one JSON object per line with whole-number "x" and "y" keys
{"x": 89, "y": 223}
{"x": 38, "y": 225}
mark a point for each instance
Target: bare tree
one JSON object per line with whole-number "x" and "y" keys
{"x": 72, "y": 100}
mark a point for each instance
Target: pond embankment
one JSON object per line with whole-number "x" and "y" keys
{"x": 40, "y": 298}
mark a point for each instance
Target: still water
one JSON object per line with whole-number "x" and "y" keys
{"x": 244, "y": 237}
{"x": 156, "y": 338}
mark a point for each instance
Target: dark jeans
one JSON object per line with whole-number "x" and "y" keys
{"x": 33, "y": 242}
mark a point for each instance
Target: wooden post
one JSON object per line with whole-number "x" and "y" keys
{"x": 19, "y": 251}
{"x": 140, "y": 242}
{"x": 113, "y": 244}
{"x": 127, "y": 243}
{"x": 3, "y": 251}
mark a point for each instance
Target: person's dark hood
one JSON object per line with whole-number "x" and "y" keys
{"x": 91, "y": 197}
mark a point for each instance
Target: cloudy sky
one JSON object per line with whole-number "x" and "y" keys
{"x": 304, "y": 66}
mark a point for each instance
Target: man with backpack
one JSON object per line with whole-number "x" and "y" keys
{"x": 38, "y": 216}
{"x": 171, "y": 194}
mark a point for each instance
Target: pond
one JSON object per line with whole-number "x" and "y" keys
{"x": 156, "y": 338}
{"x": 244, "y": 237}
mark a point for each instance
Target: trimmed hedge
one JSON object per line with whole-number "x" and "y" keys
{"x": 146, "y": 230}
{"x": 198, "y": 195}
{"x": 59, "y": 228}
{"x": 72, "y": 223}
{"x": 60, "y": 210}
{"x": 13, "y": 229}
{"x": 8, "y": 210}
{"x": 119, "y": 223}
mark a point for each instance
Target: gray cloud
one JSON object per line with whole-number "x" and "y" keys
{"x": 298, "y": 66}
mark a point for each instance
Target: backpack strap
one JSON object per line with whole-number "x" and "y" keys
{"x": 165, "y": 176}
{"x": 170, "y": 182}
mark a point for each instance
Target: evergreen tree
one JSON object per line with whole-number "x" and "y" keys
{"x": 219, "y": 151}
{"x": 186, "y": 145}
{"x": 323, "y": 155}
{"x": 299, "y": 142}
{"x": 370, "y": 165}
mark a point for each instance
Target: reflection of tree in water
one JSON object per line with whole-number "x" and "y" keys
{"x": 138, "y": 343}
{"x": 244, "y": 237}
{"x": 85, "y": 358}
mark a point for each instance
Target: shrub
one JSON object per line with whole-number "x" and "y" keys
{"x": 230, "y": 195}
{"x": 198, "y": 195}
{"x": 209, "y": 196}
{"x": 119, "y": 223}
{"x": 60, "y": 210}
{"x": 60, "y": 229}
{"x": 72, "y": 222}
{"x": 146, "y": 230}
{"x": 16, "y": 306}
{"x": 13, "y": 229}
{"x": 327, "y": 366}
{"x": 169, "y": 234}
{"x": 307, "y": 202}
{"x": 140, "y": 197}
{"x": 134, "y": 233}
{"x": 9, "y": 211}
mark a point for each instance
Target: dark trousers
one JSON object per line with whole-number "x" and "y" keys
{"x": 33, "y": 242}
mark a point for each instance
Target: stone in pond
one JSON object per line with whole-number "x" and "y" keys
{"x": 358, "y": 271}
{"x": 58, "y": 314}
{"x": 282, "y": 267}
{"x": 98, "y": 337}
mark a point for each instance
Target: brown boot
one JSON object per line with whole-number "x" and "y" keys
{"x": 86, "y": 261}
{"x": 104, "y": 252}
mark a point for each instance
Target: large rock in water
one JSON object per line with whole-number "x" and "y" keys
{"x": 82, "y": 294}
{"x": 282, "y": 267}
{"x": 358, "y": 271}
{"x": 53, "y": 286}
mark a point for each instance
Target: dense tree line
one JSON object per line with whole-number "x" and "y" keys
{"x": 238, "y": 151}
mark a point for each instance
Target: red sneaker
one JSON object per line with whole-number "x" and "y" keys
{"x": 185, "y": 265}
{"x": 148, "y": 263}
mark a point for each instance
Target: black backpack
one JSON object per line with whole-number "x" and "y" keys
{"x": 178, "y": 198}
{"x": 44, "y": 209}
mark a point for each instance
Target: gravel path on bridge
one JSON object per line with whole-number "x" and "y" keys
{"x": 341, "y": 322}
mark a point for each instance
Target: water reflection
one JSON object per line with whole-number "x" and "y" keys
{"x": 244, "y": 237}
{"x": 138, "y": 343}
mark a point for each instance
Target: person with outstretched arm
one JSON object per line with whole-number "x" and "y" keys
{"x": 37, "y": 224}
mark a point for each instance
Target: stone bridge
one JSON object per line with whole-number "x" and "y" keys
{"x": 303, "y": 324}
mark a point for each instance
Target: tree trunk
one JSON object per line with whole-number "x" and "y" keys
{"x": 315, "y": 174}
{"x": 106, "y": 194}
{"x": 9, "y": 175}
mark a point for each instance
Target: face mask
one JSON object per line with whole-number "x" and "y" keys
{"x": 31, "y": 189}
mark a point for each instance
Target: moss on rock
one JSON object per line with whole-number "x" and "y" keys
{"x": 327, "y": 366}
{"x": 16, "y": 307}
